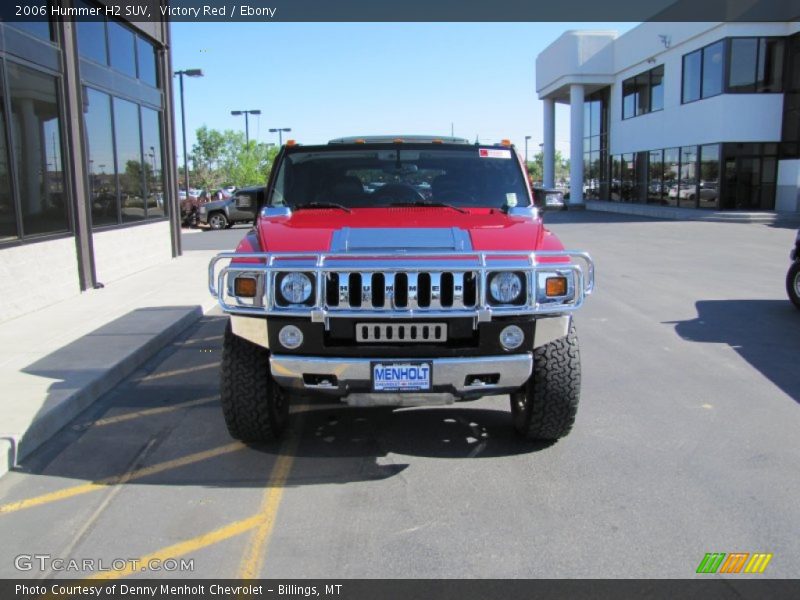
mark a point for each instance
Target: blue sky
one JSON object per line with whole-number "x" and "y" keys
{"x": 327, "y": 80}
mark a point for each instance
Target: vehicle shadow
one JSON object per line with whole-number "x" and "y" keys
{"x": 766, "y": 333}
{"x": 164, "y": 426}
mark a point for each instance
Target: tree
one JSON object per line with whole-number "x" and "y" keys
{"x": 224, "y": 158}
{"x": 536, "y": 167}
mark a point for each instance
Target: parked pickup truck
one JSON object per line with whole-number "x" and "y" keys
{"x": 355, "y": 285}
{"x": 241, "y": 207}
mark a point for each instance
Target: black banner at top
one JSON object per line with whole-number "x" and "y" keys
{"x": 406, "y": 10}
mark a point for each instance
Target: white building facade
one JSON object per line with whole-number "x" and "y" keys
{"x": 692, "y": 115}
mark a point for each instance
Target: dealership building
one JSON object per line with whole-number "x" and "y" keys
{"x": 87, "y": 175}
{"x": 692, "y": 115}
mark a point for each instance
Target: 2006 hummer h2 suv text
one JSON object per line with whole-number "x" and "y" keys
{"x": 400, "y": 272}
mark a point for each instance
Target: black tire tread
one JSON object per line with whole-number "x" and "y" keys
{"x": 794, "y": 271}
{"x": 553, "y": 390}
{"x": 247, "y": 391}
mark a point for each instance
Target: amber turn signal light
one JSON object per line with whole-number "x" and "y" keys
{"x": 245, "y": 287}
{"x": 556, "y": 286}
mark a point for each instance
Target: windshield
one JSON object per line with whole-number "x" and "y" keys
{"x": 468, "y": 177}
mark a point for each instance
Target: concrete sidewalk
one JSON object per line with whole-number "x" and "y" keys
{"x": 692, "y": 214}
{"x": 58, "y": 360}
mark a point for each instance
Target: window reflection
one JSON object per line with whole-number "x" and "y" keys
{"x": 655, "y": 176}
{"x": 102, "y": 183}
{"x": 122, "y": 50}
{"x": 36, "y": 135}
{"x": 708, "y": 192}
{"x": 8, "y": 219}
{"x": 687, "y": 187}
{"x": 92, "y": 36}
{"x": 146, "y": 55}
{"x": 671, "y": 165}
{"x": 691, "y": 76}
{"x": 40, "y": 27}
{"x": 712, "y": 69}
{"x": 154, "y": 175}
{"x": 129, "y": 160}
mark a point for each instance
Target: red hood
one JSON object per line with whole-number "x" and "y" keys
{"x": 488, "y": 229}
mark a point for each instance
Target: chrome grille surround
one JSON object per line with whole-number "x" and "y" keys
{"x": 355, "y": 268}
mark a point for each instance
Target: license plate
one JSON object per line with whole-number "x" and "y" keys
{"x": 406, "y": 376}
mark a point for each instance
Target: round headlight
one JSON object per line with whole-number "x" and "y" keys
{"x": 505, "y": 287}
{"x": 290, "y": 337}
{"x": 296, "y": 288}
{"x": 511, "y": 337}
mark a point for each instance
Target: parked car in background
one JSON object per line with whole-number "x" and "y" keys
{"x": 241, "y": 207}
{"x": 793, "y": 276}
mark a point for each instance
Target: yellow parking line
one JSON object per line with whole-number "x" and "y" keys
{"x": 262, "y": 522}
{"x": 175, "y": 372}
{"x": 144, "y": 413}
{"x": 256, "y": 549}
{"x": 114, "y": 480}
{"x": 185, "y": 547}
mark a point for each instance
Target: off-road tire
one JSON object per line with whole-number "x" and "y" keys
{"x": 217, "y": 221}
{"x": 545, "y": 407}
{"x": 793, "y": 282}
{"x": 254, "y": 406}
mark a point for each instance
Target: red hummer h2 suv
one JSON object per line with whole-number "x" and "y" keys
{"x": 401, "y": 271}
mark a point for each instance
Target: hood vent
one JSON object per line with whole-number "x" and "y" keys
{"x": 361, "y": 240}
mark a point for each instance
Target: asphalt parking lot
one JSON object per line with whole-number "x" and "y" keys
{"x": 685, "y": 443}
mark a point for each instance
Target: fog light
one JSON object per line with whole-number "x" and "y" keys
{"x": 511, "y": 337}
{"x": 556, "y": 286}
{"x": 245, "y": 287}
{"x": 290, "y": 337}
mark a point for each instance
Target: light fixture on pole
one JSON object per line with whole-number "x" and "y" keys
{"x": 180, "y": 74}
{"x": 246, "y": 122}
{"x": 280, "y": 131}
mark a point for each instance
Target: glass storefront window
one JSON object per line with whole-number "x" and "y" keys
{"x": 655, "y": 176}
{"x": 671, "y": 166}
{"x": 627, "y": 176}
{"x": 91, "y": 33}
{"x": 129, "y": 160}
{"x": 8, "y": 216}
{"x": 154, "y": 174}
{"x": 709, "y": 176}
{"x": 713, "y": 62}
{"x": 687, "y": 186}
{"x": 102, "y": 182}
{"x": 146, "y": 57}
{"x": 36, "y": 135}
{"x": 122, "y": 49}
{"x": 691, "y": 76}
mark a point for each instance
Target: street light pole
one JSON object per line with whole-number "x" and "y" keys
{"x": 246, "y": 113}
{"x": 180, "y": 74}
{"x": 527, "y": 137}
{"x": 280, "y": 131}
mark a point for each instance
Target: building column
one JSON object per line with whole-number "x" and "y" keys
{"x": 549, "y": 148}
{"x": 576, "y": 99}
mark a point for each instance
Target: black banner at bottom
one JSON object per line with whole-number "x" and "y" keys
{"x": 403, "y": 589}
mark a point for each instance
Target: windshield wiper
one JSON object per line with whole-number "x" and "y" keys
{"x": 428, "y": 203}
{"x": 321, "y": 205}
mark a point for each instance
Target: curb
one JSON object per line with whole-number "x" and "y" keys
{"x": 51, "y": 422}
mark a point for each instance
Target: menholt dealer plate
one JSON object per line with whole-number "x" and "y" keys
{"x": 405, "y": 376}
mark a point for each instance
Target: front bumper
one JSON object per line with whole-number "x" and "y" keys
{"x": 452, "y": 378}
